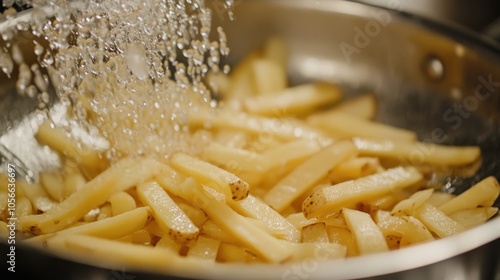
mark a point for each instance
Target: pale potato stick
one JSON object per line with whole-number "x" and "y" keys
{"x": 338, "y": 124}
{"x": 232, "y": 138}
{"x": 408, "y": 228}
{"x": 407, "y": 207}
{"x": 331, "y": 199}
{"x": 195, "y": 214}
{"x": 121, "y": 176}
{"x": 111, "y": 228}
{"x": 167, "y": 213}
{"x": 37, "y": 195}
{"x": 286, "y": 129}
{"x": 296, "y": 100}
{"x": 255, "y": 208}
{"x": 439, "y": 198}
{"x": 369, "y": 238}
{"x": 210, "y": 228}
{"x": 212, "y": 176}
{"x": 269, "y": 76}
{"x": 204, "y": 248}
{"x": 154, "y": 229}
{"x": 418, "y": 153}
{"x": 118, "y": 255}
{"x": 315, "y": 233}
{"x": 307, "y": 174}
{"x": 167, "y": 242}
{"x": 170, "y": 179}
{"x": 362, "y": 107}
{"x": 317, "y": 251}
{"x": 335, "y": 220}
{"x": 105, "y": 211}
{"x": 232, "y": 253}
{"x": 298, "y": 220}
{"x": 56, "y": 138}
{"x": 437, "y": 221}
{"x": 242, "y": 83}
{"x": 141, "y": 237}
{"x": 23, "y": 207}
{"x": 53, "y": 183}
{"x": 121, "y": 202}
{"x": 255, "y": 238}
{"x": 234, "y": 159}
{"x": 470, "y": 218}
{"x": 290, "y": 153}
{"x": 275, "y": 49}
{"x": 354, "y": 168}
{"x": 387, "y": 201}
{"x": 73, "y": 181}
{"x": 343, "y": 236}
{"x": 486, "y": 190}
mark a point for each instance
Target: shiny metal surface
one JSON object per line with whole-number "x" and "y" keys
{"x": 427, "y": 77}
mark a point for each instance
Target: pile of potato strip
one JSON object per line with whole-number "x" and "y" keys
{"x": 285, "y": 174}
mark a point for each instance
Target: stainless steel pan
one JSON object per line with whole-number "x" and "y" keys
{"x": 440, "y": 81}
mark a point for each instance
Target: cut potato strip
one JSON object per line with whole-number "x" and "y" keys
{"x": 293, "y": 101}
{"x": 121, "y": 176}
{"x": 439, "y": 198}
{"x": 410, "y": 229}
{"x": 121, "y": 202}
{"x": 167, "y": 242}
{"x": 315, "y": 233}
{"x": 269, "y": 76}
{"x": 363, "y": 107}
{"x": 242, "y": 83}
{"x": 316, "y": 251}
{"x": 275, "y": 49}
{"x": 236, "y": 159}
{"x": 204, "y": 248}
{"x": 111, "y": 228}
{"x": 470, "y": 218}
{"x": 418, "y": 153}
{"x": 257, "y": 239}
{"x": 56, "y": 138}
{"x": 133, "y": 256}
{"x": 369, "y": 237}
{"x": 437, "y": 221}
{"x": 338, "y": 124}
{"x": 486, "y": 190}
{"x": 167, "y": 213}
{"x": 285, "y": 129}
{"x": 232, "y": 254}
{"x": 343, "y": 236}
{"x": 37, "y": 195}
{"x": 232, "y": 138}
{"x": 307, "y": 174}
{"x": 255, "y": 208}
{"x": 53, "y": 183}
{"x": 330, "y": 199}
{"x": 407, "y": 207}
{"x": 211, "y": 229}
{"x": 212, "y": 176}
{"x": 355, "y": 168}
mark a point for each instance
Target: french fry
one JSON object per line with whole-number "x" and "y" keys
{"x": 315, "y": 233}
{"x": 437, "y": 221}
{"x": 211, "y": 229}
{"x": 167, "y": 242}
{"x": 258, "y": 240}
{"x": 298, "y": 220}
{"x": 232, "y": 254}
{"x": 355, "y": 168}
{"x": 232, "y": 138}
{"x": 111, "y": 228}
{"x": 408, "y": 206}
{"x": 167, "y": 213}
{"x": 195, "y": 214}
{"x": 369, "y": 238}
{"x": 293, "y": 101}
{"x": 418, "y": 153}
{"x": 255, "y": 208}
{"x": 37, "y": 195}
{"x": 23, "y": 207}
{"x": 439, "y": 198}
{"x": 338, "y": 124}
{"x": 343, "y": 236}
{"x": 105, "y": 211}
{"x": 119, "y": 177}
{"x": 363, "y": 107}
{"x": 410, "y": 229}
{"x": 121, "y": 202}
{"x": 316, "y": 251}
{"x": 73, "y": 181}
{"x": 269, "y": 76}
{"x": 470, "y": 218}
{"x": 242, "y": 83}
{"x": 285, "y": 129}
{"x": 307, "y": 174}
{"x": 211, "y": 175}
{"x": 275, "y": 49}
{"x": 330, "y": 199}
{"x": 56, "y": 138}
{"x": 53, "y": 184}
{"x": 204, "y": 248}
{"x": 486, "y": 190}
